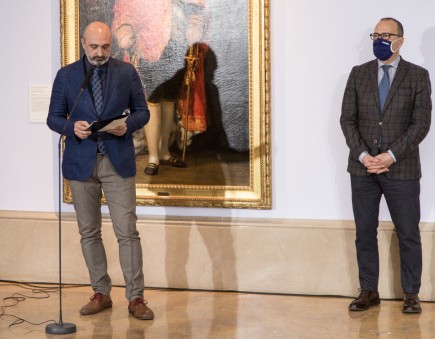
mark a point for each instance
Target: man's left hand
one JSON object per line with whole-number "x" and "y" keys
{"x": 385, "y": 160}
{"x": 119, "y": 131}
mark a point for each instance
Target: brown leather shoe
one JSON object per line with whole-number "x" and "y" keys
{"x": 411, "y": 303}
{"x": 140, "y": 310}
{"x": 365, "y": 300}
{"x": 98, "y": 303}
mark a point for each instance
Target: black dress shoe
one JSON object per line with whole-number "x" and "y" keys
{"x": 152, "y": 169}
{"x": 411, "y": 303}
{"x": 173, "y": 162}
{"x": 365, "y": 300}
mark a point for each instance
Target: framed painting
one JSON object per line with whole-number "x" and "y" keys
{"x": 205, "y": 69}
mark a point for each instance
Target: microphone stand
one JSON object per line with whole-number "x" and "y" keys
{"x": 61, "y": 327}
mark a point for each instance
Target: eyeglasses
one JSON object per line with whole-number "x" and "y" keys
{"x": 385, "y": 36}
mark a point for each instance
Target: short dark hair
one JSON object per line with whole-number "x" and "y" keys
{"x": 399, "y": 25}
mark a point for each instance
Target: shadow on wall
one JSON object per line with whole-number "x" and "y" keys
{"x": 339, "y": 154}
{"x": 426, "y": 147}
{"x": 426, "y": 151}
{"x": 339, "y": 149}
{"x": 432, "y": 269}
{"x": 183, "y": 241}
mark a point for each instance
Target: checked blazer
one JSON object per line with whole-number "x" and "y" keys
{"x": 402, "y": 125}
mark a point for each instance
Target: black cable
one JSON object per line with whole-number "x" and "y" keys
{"x": 38, "y": 292}
{"x": 16, "y": 298}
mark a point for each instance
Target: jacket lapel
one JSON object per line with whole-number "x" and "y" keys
{"x": 401, "y": 71}
{"x": 86, "y": 96}
{"x": 112, "y": 76}
{"x": 373, "y": 79}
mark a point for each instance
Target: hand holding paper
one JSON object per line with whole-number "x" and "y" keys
{"x": 119, "y": 131}
{"x": 106, "y": 125}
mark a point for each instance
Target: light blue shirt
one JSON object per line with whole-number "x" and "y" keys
{"x": 391, "y": 71}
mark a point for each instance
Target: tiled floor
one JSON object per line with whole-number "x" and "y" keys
{"x": 200, "y": 314}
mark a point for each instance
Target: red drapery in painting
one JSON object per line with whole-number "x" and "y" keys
{"x": 193, "y": 113}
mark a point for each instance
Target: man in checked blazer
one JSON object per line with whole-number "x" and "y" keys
{"x": 384, "y": 158}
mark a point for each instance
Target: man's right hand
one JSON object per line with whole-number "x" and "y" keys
{"x": 374, "y": 165}
{"x": 80, "y": 129}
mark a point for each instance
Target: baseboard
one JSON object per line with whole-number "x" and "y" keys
{"x": 310, "y": 257}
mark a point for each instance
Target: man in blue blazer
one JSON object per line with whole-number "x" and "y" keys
{"x": 97, "y": 162}
{"x": 386, "y": 113}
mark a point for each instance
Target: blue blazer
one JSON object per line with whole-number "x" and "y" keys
{"x": 123, "y": 89}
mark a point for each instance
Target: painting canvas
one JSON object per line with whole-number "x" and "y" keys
{"x": 204, "y": 66}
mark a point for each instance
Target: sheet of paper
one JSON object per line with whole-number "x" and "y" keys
{"x": 113, "y": 124}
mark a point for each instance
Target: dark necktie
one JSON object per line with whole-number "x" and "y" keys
{"x": 97, "y": 90}
{"x": 384, "y": 86}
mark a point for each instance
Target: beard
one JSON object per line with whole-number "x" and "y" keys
{"x": 97, "y": 61}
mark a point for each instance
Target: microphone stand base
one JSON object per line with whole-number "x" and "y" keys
{"x": 64, "y": 328}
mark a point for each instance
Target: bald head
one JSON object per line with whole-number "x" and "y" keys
{"x": 97, "y": 42}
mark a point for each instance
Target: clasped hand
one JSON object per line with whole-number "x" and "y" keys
{"x": 80, "y": 130}
{"x": 378, "y": 164}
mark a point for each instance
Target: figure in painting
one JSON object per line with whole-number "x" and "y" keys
{"x": 154, "y": 37}
{"x": 192, "y": 105}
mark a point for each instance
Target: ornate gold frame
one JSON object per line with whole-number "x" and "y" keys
{"x": 257, "y": 195}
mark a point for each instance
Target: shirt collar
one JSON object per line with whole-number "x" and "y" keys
{"x": 394, "y": 64}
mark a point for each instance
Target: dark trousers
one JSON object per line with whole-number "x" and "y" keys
{"x": 403, "y": 200}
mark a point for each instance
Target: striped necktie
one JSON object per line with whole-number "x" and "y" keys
{"x": 97, "y": 90}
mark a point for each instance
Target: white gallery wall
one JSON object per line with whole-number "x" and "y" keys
{"x": 314, "y": 46}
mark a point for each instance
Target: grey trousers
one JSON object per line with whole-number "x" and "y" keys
{"x": 121, "y": 200}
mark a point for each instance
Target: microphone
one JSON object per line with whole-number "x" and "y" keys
{"x": 85, "y": 82}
